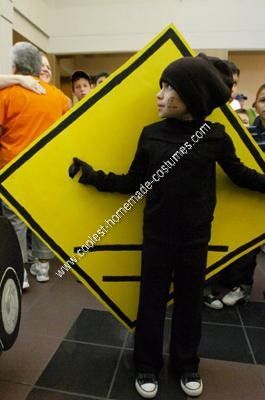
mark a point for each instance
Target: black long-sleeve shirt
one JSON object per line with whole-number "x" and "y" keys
{"x": 180, "y": 207}
{"x": 258, "y": 133}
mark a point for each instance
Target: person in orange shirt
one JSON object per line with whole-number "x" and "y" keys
{"x": 27, "y": 81}
{"x": 24, "y": 116}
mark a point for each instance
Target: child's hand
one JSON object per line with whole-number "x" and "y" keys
{"x": 74, "y": 168}
{"x": 86, "y": 170}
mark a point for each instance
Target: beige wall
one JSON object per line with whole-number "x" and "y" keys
{"x": 252, "y": 71}
{"x": 112, "y": 26}
{"x": 6, "y": 26}
{"x": 118, "y": 26}
{"x": 32, "y": 20}
{"x": 91, "y": 63}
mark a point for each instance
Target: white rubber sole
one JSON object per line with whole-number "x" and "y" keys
{"x": 217, "y": 306}
{"x": 192, "y": 392}
{"x": 25, "y": 285}
{"x": 42, "y": 278}
{"x": 146, "y": 394}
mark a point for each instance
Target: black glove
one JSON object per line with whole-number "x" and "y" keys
{"x": 87, "y": 172}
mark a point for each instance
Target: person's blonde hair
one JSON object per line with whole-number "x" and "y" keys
{"x": 262, "y": 87}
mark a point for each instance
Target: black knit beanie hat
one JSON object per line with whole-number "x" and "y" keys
{"x": 203, "y": 83}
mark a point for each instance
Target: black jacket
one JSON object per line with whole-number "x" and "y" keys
{"x": 180, "y": 207}
{"x": 258, "y": 133}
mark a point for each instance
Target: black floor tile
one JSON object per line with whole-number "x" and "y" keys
{"x": 257, "y": 341}
{"x": 227, "y": 315}
{"x": 100, "y": 327}
{"x": 253, "y": 314}
{"x": 86, "y": 370}
{"x": 123, "y": 388}
{"x": 224, "y": 343}
{"x": 81, "y": 368}
{"x": 130, "y": 341}
{"x": 41, "y": 394}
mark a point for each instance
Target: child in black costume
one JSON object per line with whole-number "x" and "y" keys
{"x": 178, "y": 213}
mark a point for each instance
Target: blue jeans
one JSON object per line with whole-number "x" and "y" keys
{"x": 39, "y": 250}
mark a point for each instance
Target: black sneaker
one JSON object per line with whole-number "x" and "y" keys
{"x": 212, "y": 301}
{"x": 191, "y": 384}
{"x": 146, "y": 385}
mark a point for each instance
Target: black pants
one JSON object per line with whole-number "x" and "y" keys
{"x": 187, "y": 266}
{"x": 240, "y": 272}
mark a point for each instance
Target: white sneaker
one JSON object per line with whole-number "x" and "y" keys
{"x": 236, "y": 294}
{"x": 25, "y": 280}
{"x": 191, "y": 384}
{"x": 41, "y": 271}
{"x": 146, "y": 385}
{"x": 34, "y": 268}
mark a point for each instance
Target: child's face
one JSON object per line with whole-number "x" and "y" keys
{"x": 244, "y": 118}
{"x": 45, "y": 72}
{"x": 100, "y": 80}
{"x": 170, "y": 104}
{"x": 81, "y": 88}
{"x": 260, "y": 104}
{"x": 234, "y": 87}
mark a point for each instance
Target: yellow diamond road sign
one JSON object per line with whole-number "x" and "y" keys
{"x": 103, "y": 130}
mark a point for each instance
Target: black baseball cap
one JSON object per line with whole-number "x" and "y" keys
{"x": 80, "y": 74}
{"x": 241, "y": 96}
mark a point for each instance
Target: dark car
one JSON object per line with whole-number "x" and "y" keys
{"x": 11, "y": 280}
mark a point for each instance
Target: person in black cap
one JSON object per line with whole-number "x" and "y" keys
{"x": 241, "y": 98}
{"x": 177, "y": 157}
{"x": 81, "y": 84}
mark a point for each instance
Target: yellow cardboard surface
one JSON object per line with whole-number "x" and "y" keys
{"x": 103, "y": 129}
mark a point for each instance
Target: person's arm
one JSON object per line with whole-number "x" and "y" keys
{"x": 111, "y": 182}
{"x": 237, "y": 171}
{"x": 1, "y": 132}
{"x": 26, "y": 81}
{"x": 66, "y": 102}
{"x": 2, "y": 113}
{"x": 69, "y": 103}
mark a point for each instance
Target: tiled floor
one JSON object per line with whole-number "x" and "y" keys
{"x": 70, "y": 348}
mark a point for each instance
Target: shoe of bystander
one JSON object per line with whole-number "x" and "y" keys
{"x": 40, "y": 270}
{"x": 25, "y": 280}
{"x": 212, "y": 301}
{"x": 236, "y": 294}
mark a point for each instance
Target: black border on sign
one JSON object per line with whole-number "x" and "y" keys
{"x": 170, "y": 34}
{"x": 258, "y": 158}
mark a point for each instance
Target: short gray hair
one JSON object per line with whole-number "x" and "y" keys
{"x": 26, "y": 58}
